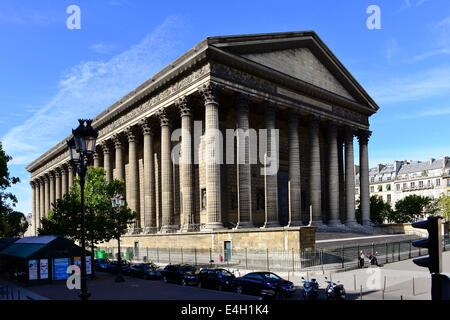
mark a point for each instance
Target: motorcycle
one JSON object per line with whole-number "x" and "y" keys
{"x": 310, "y": 289}
{"x": 373, "y": 259}
{"x": 334, "y": 290}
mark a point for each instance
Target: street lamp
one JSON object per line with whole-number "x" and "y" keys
{"x": 81, "y": 149}
{"x": 118, "y": 202}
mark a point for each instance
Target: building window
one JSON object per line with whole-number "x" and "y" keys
{"x": 389, "y": 198}
{"x": 413, "y": 184}
{"x": 372, "y": 189}
{"x": 380, "y": 179}
{"x": 429, "y": 183}
{"x": 438, "y": 182}
{"x": 203, "y": 198}
{"x": 380, "y": 188}
{"x": 404, "y": 186}
{"x": 398, "y": 187}
{"x": 388, "y": 187}
{"x": 388, "y": 178}
{"x": 420, "y": 184}
{"x": 372, "y": 179}
{"x": 448, "y": 183}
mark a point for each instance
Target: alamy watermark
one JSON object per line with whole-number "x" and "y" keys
{"x": 74, "y": 280}
{"x": 374, "y": 20}
{"x": 74, "y": 20}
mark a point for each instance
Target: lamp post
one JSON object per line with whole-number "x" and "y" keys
{"x": 81, "y": 150}
{"x": 118, "y": 202}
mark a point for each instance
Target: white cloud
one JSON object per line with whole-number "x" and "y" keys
{"x": 89, "y": 88}
{"x": 103, "y": 47}
{"x": 428, "y": 113}
{"x": 27, "y": 16}
{"x": 431, "y": 83}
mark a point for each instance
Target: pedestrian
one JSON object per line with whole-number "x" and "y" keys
{"x": 361, "y": 259}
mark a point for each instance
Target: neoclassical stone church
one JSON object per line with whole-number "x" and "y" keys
{"x": 289, "y": 83}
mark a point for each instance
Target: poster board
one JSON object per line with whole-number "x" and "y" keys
{"x": 77, "y": 262}
{"x": 32, "y": 269}
{"x": 60, "y": 268}
{"x": 43, "y": 269}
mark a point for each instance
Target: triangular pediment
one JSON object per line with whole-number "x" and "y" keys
{"x": 302, "y": 64}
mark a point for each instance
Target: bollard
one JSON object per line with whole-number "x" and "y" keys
{"x": 170, "y": 261}
{"x": 401, "y": 297}
{"x": 18, "y": 294}
{"x": 267, "y": 254}
{"x": 384, "y": 283}
{"x": 414, "y": 288}
{"x": 293, "y": 263}
{"x": 342, "y": 257}
{"x": 246, "y": 261}
{"x": 354, "y": 281}
{"x": 157, "y": 254}
{"x": 181, "y": 255}
{"x": 382, "y": 294}
{"x": 399, "y": 249}
{"x": 410, "y": 245}
{"x": 360, "y": 293}
{"x": 195, "y": 255}
{"x": 386, "y": 252}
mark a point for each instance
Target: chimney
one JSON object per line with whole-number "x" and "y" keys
{"x": 356, "y": 168}
{"x": 444, "y": 162}
{"x": 432, "y": 160}
{"x": 397, "y": 165}
{"x": 380, "y": 167}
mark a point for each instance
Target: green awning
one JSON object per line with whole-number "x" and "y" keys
{"x": 22, "y": 251}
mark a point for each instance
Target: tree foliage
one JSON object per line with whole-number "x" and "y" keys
{"x": 102, "y": 222}
{"x": 444, "y": 207}
{"x": 379, "y": 210}
{"x": 12, "y": 223}
{"x": 412, "y": 208}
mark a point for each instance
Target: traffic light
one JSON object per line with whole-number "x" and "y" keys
{"x": 433, "y": 244}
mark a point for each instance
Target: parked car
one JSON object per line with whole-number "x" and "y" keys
{"x": 264, "y": 284}
{"x": 146, "y": 270}
{"x": 113, "y": 267}
{"x": 219, "y": 279}
{"x": 183, "y": 274}
{"x": 101, "y": 264}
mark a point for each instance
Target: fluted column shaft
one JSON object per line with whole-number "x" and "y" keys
{"x": 133, "y": 175}
{"x": 107, "y": 163}
{"x": 120, "y": 168}
{"x": 270, "y": 175}
{"x": 41, "y": 199}
{"x": 333, "y": 176}
{"x": 212, "y": 134}
{"x": 52, "y": 191}
{"x": 294, "y": 187}
{"x": 243, "y": 166}
{"x": 167, "y": 196}
{"x": 70, "y": 176}
{"x": 315, "y": 173}
{"x": 349, "y": 178}
{"x": 363, "y": 138}
{"x": 47, "y": 195}
{"x": 96, "y": 160}
{"x": 33, "y": 208}
{"x": 57, "y": 185}
{"x": 64, "y": 186}
{"x": 186, "y": 164}
{"x": 149, "y": 215}
{"x": 342, "y": 205}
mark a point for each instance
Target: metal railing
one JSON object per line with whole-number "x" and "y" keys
{"x": 343, "y": 257}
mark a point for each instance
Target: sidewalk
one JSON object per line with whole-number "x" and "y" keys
{"x": 11, "y": 291}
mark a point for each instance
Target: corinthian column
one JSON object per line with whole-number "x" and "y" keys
{"x": 243, "y": 165}
{"x": 41, "y": 198}
{"x": 107, "y": 161}
{"x": 315, "y": 173}
{"x": 57, "y": 185}
{"x": 349, "y": 178}
{"x": 52, "y": 190}
{"x": 64, "y": 186}
{"x": 33, "y": 206}
{"x": 342, "y": 211}
{"x": 209, "y": 91}
{"x": 186, "y": 164}
{"x": 149, "y": 215}
{"x": 96, "y": 159}
{"x": 333, "y": 176}
{"x": 271, "y": 168}
{"x": 70, "y": 170}
{"x": 47, "y": 195}
{"x": 120, "y": 168}
{"x": 294, "y": 187}
{"x": 166, "y": 174}
{"x": 37, "y": 206}
{"x": 133, "y": 175}
{"x": 363, "y": 137}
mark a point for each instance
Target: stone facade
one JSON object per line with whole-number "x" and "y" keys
{"x": 290, "y": 85}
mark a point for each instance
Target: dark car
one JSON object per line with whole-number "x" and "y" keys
{"x": 264, "y": 284}
{"x": 101, "y": 264}
{"x": 113, "y": 267}
{"x": 146, "y": 271}
{"x": 183, "y": 274}
{"x": 219, "y": 279}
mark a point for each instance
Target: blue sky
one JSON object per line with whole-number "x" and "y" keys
{"x": 50, "y": 75}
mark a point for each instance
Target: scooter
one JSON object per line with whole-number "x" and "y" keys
{"x": 334, "y": 290}
{"x": 373, "y": 259}
{"x": 310, "y": 289}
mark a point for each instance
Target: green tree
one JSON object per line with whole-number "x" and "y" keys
{"x": 379, "y": 210}
{"x": 412, "y": 208}
{"x": 444, "y": 207}
{"x": 11, "y": 222}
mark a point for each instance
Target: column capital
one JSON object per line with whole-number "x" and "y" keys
{"x": 146, "y": 127}
{"x": 183, "y": 106}
{"x": 270, "y": 107}
{"x": 63, "y": 170}
{"x": 163, "y": 116}
{"x": 364, "y": 136}
{"x": 314, "y": 121}
{"x": 33, "y": 183}
{"x": 131, "y": 134}
{"x": 210, "y": 92}
{"x": 242, "y": 101}
{"x": 57, "y": 173}
{"x": 117, "y": 140}
{"x": 349, "y": 132}
{"x": 104, "y": 145}
{"x": 45, "y": 178}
